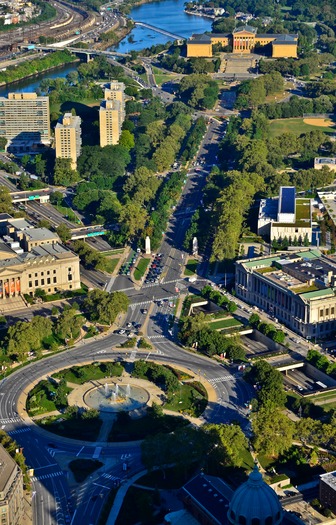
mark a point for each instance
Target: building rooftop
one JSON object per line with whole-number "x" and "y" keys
{"x": 325, "y": 160}
{"x": 287, "y": 199}
{"x": 40, "y": 234}
{"x": 207, "y": 495}
{"x": 245, "y": 29}
{"x": 7, "y": 466}
{"x": 329, "y": 479}
{"x": 200, "y": 39}
{"x": 20, "y": 224}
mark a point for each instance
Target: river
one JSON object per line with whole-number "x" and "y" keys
{"x": 29, "y": 85}
{"x": 168, "y": 15}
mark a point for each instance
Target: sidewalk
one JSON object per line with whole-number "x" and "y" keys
{"x": 118, "y": 500}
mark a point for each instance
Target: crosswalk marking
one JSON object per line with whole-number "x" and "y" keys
{"x": 48, "y": 476}
{"x": 156, "y": 337}
{"x": 220, "y": 379}
{"x": 19, "y": 431}
{"x": 125, "y": 456}
{"x": 10, "y": 420}
{"x": 109, "y": 476}
{"x": 133, "y": 355}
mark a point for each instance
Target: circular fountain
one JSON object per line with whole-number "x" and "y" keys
{"x": 116, "y": 397}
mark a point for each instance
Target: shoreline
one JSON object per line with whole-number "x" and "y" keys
{"x": 32, "y": 75}
{"x": 212, "y": 17}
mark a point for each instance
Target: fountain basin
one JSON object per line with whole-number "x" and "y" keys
{"x": 116, "y": 398}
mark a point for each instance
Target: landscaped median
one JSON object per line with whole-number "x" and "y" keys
{"x": 141, "y": 268}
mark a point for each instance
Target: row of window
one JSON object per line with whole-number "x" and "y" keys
{"x": 42, "y": 283}
{"x": 42, "y": 273}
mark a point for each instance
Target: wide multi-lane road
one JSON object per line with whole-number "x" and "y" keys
{"x": 53, "y": 501}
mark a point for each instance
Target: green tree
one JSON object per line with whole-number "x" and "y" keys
{"x": 104, "y": 307}
{"x": 64, "y": 175}
{"x": 273, "y": 431}
{"x": 127, "y": 139}
{"x": 5, "y": 200}
{"x": 64, "y": 232}
{"x": 231, "y": 439}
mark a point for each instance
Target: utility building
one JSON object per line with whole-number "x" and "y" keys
{"x": 25, "y": 122}
{"x": 68, "y": 139}
{"x": 112, "y": 114}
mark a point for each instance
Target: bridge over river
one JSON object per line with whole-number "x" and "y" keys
{"x": 159, "y": 30}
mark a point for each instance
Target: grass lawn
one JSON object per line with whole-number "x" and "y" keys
{"x": 302, "y": 209}
{"x": 294, "y": 125}
{"x": 191, "y": 267}
{"x": 110, "y": 265}
{"x": 224, "y": 323}
{"x": 161, "y": 77}
{"x": 141, "y": 268}
{"x": 113, "y": 252}
{"x": 140, "y": 506}
{"x": 85, "y": 430}
{"x": 173, "y": 479}
{"x": 82, "y": 468}
{"x": 127, "y": 429}
{"x": 67, "y": 212}
{"x": 82, "y": 374}
{"x": 189, "y": 400}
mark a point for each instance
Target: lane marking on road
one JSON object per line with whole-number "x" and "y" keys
{"x": 99, "y": 485}
{"x": 46, "y": 466}
{"x": 80, "y": 450}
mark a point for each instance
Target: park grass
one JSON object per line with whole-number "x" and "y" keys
{"x": 188, "y": 400}
{"x": 140, "y": 506}
{"x": 67, "y": 212}
{"x": 297, "y": 126}
{"x": 191, "y": 267}
{"x": 141, "y": 268}
{"x": 82, "y": 374}
{"x": 82, "y": 468}
{"x": 161, "y": 77}
{"x": 173, "y": 478}
{"x": 127, "y": 429}
{"x": 110, "y": 265}
{"x": 113, "y": 252}
{"x": 224, "y": 323}
{"x": 73, "y": 428}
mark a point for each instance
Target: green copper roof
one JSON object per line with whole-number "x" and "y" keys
{"x": 318, "y": 293}
{"x": 312, "y": 254}
{"x": 261, "y": 262}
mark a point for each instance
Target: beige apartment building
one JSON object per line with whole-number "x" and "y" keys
{"x": 68, "y": 139}
{"x": 112, "y": 114}
{"x": 25, "y": 122}
{"x": 11, "y": 490}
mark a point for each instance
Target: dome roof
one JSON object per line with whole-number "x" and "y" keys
{"x": 255, "y": 503}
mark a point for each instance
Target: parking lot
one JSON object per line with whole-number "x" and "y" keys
{"x": 155, "y": 269}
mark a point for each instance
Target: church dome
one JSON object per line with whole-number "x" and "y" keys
{"x": 255, "y": 503}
